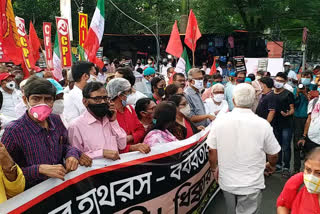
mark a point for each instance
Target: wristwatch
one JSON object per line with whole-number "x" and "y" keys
{"x": 303, "y": 138}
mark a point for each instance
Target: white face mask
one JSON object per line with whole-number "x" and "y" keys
{"x": 218, "y": 97}
{"x": 92, "y": 79}
{"x": 278, "y": 84}
{"x": 258, "y": 77}
{"x": 198, "y": 84}
{"x": 11, "y": 85}
{"x": 311, "y": 182}
{"x": 58, "y": 107}
{"x": 186, "y": 110}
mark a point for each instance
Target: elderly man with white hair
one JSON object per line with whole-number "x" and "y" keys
{"x": 216, "y": 104}
{"x": 239, "y": 143}
{"x": 118, "y": 91}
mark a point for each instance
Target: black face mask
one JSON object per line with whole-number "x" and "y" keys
{"x": 100, "y": 110}
{"x": 161, "y": 91}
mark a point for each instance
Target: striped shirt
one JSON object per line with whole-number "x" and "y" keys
{"x": 30, "y": 145}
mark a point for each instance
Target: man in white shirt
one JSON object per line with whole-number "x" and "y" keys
{"x": 11, "y": 97}
{"x": 292, "y": 76}
{"x": 311, "y": 135}
{"x": 239, "y": 142}
{"x": 164, "y": 67}
{"x": 73, "y": 105}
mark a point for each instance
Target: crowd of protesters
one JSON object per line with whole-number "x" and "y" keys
{"x": 49, "y": 127}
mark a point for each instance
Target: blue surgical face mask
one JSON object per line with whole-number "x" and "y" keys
{"x": 154, "y": 121}
{"x": 306, "y": 81}
{"x": 208, "y": 84}
{"x": 124, "y": 102}
{"x": 318, "y": 89}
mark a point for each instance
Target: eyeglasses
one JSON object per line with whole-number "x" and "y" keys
{"x": 99, "y": 99}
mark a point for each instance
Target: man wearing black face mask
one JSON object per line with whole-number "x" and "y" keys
{"x": 97, "y": 132}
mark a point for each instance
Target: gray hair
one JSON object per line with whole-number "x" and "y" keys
{"x": 244, "y": 95}
{"x": 193, "y": 71}
{"x": 217, "y": 86}
{"x": 117, "y": 86}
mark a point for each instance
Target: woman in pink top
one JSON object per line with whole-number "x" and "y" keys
{"x": 164, "y": 116}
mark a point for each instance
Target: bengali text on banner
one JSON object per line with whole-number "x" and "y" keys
{"x": 172, "y": 178}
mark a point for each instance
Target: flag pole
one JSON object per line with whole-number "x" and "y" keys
{"x": 193, "y": 63}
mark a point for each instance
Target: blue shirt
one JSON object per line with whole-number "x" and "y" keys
{"x": 30, "y": 145}
{"x": 300, "y": 105}
{"x": 196, "y": 104}
{"x": 228, "y": 92}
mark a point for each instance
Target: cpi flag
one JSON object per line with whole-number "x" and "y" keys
{"x": 192, "y": 32}
{"x": 27, "y": 55}
{"x": 83, "y": 28}
{"x": 174, "y": 46}
{"x": 9, "y": 37}
{"x": 48, "y": 44}
{"x": 64, "y": 42}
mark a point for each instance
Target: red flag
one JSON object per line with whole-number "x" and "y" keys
{"x": 34, "y": 43}
{"x": 213, "y": 68}
{"x": 174, "y": 45}
{"x": 98, "y": 62}
{"x": 9, "y": 36}
{"x": 192, "y": 32}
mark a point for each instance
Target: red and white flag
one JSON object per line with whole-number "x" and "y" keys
{"x": 95, "y": 34}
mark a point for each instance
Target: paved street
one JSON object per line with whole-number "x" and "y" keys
{"x": 274, "y": 185}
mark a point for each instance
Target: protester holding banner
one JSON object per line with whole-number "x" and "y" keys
{"x": 242, "y": 185}
{"x": 97, "y": 132}
{"x": 145, "y": 109}
{"x": 198, "y": 113}
{"x": 183, "y": 128}
{"x": 118, "y": 90}
{"x": 73, "y": 101}
{"x": 12, "y": 181}
{"x": 38, "y": 141}
{"x": 164, "y": 116}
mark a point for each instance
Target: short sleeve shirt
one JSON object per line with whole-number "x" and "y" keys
{"x": 283, "y": 102}
{"x": 267, "y": 103}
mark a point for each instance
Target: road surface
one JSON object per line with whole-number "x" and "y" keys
{"x": 274, "y": 185}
